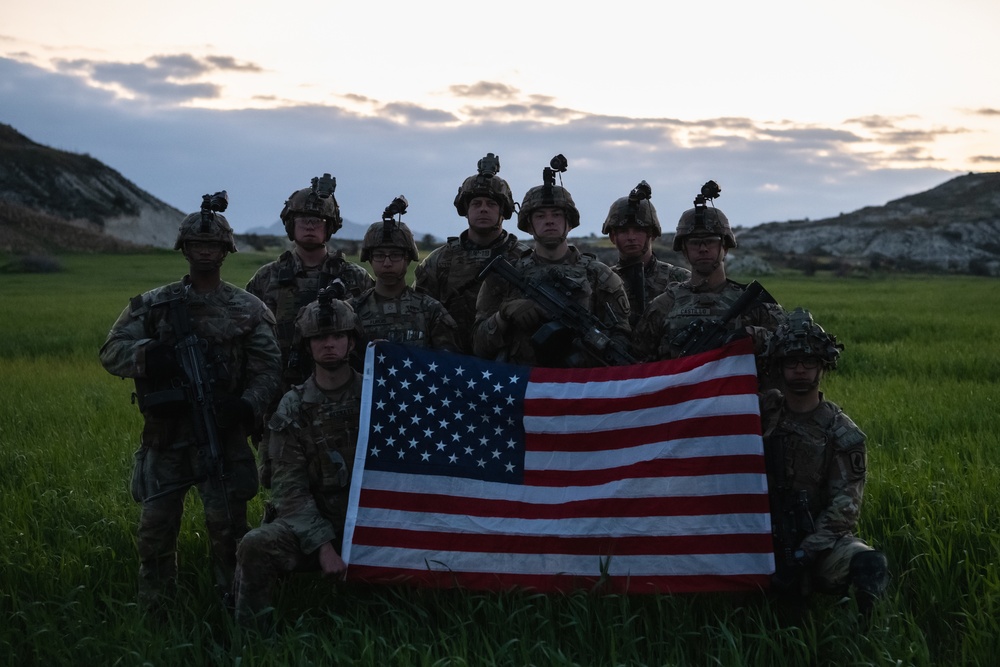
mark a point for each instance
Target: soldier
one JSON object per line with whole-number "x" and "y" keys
{"x": 311, "y": 216}
{"x": 239, "y": 365}
{"x": 313, "y": 438}
{"x": 632, "y": 226}
{"x": 705, "y": 237}
{"x": 392, "y": 310}
{"x": 509, "y": 325}
{"x": 450, "y": 273}
{"x": 816, "y": 471}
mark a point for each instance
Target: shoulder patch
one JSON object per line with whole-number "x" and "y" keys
{"x": 846, "y": 434}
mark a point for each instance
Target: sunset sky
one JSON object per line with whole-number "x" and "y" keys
{"x": 797, "y": 109}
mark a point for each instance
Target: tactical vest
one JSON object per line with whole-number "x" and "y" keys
{"x": 690, "y": 306}
{"x": 405, "y": 319}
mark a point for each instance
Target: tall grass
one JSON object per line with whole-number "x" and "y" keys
{"x": 920, "y": 376}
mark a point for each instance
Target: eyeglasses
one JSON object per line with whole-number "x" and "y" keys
{"x": 703, "y": 242}
{"x": 392, "y": 256}
{"x": 809, "y": 363}
{"x": 310, "y": 222}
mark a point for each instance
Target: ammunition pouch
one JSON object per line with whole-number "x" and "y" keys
{"x": 162, "y": 398}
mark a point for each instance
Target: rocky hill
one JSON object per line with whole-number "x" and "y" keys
{"x": 954, "y": 227}
{"x": 56, "y": 200}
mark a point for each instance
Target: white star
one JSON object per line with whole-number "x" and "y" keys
{"x": 405, "y": 384}
{"x": 440, "y": 445}
{"x": 433, "y": 367}
{"x": 481, "y": 463}
{"x": 427, "y": 432}
{"x": 413, "y": 443}
{"x": 401, "y": 453}
{"x": 459, "y": 370}
{"x": 483, "y": 440}
{"x": 415, "y": 419}
{"x": 455, "y": 437}
{"x": 431, "y": 410}
{"x": 381, "y": 358}
{"x": 407, "y": 363}
{"x": 468, "y": 450}
{"x": 392, "y": 393}
{"x": 471, "y": 383}
{"x": 509, "y": 467}
{"x": 393, "y": 371}
{"x": 514, "y": 378}
{"x": 497, "y": 410}
{"x": 498, "y": 430}
{"x": 380, "y": 405}
{"x": 472, "y": 429}
{"x": 483, "y": 397}
{"x": 425, "y": 456}
{"x": 403, "y": 406}
{"x": 418, "y": 397}
{"x": 452, "y": 459}
{"x": 381, "y": 382}
{"x": 510, "y": 400}
{"x": 446, "y": 402}
{"x": 392, "y": 418}
{"x": 498, "y": 387}
{"x": 511, "y": 443}
{"x": 375, "y": 451}
{"x": 487, "y": 375}
{"x": 459, "y": 415}
{"x": 377, "y": 428}
{"x": 390, "y": 441}
{"x": 443, "y": 423}
{"x": 420, "y": 376}
{"x": 432, "y": 389}
{"x": 496, "y": 453}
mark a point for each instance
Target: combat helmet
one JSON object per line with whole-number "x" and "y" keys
{"x": 208, "y": 224}
{"x": 548, "y": 195}
{"x": 635, "y": 210}
{"x": 486, "y": 183}
{"x": 391, "y": 232}
{"x": 704, "y": 220}
{"x": 317, "y": 200}
{"x": 800, "y": 336}
{"x": 326, "y": 315}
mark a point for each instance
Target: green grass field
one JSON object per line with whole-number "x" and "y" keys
{"x": 920, "y": 375}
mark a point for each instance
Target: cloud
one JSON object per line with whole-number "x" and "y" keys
{"x": 769, "y": 171}
{"x": 163, "y": 79}
{"x": 986, "y": 158}
{"x": 485, "y": 89}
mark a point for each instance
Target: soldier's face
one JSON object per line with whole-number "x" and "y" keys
{"x": 484, "y": 214}
{"x": 205, "y": 255}
{"x": 331, "y": 350}
{"x": 704, "y": 253}
{"x": 632, "y": 241}
{"x": 310, "y": 231}
{"x": 548, "y": 224}
{"x": 801, "y": 374}
{"x": 389, "y": 264}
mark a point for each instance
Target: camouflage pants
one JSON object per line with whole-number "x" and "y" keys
{"x": 264, "y": 554}
{"x": 160, "y": 519}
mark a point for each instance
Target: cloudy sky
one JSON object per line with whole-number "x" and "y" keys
{"x": 799, "y": 110}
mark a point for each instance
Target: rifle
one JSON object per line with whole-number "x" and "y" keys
{"x": 703, "y": 335}
{"x": 791, "y": 520}
{"x": 197, "y": 388}
{"x": 568, "y": 316}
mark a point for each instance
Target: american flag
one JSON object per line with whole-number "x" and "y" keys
{"x": 645, "y": 478}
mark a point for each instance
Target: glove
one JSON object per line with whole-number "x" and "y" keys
{"x": 524, "y": 313}
{"x": 232, "y": 411}
{"x": 161, "y": 361}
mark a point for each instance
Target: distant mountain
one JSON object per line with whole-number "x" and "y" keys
{"x": 954, "y": 227}
{"x": 80, "y": 199}
{"x": 52, "y": 200}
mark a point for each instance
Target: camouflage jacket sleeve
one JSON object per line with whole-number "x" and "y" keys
{"x": 291, "y": 482}
{"x": 762, "y": 320}
{"x": 611, "y": 304}
{"x": 844, "y": 486}
{"x": 263, "y": 370}
{"x": 425, "y": 276}
{"x": 123, "y": 353}
{"x": 489, "y": 337}
{"x": 443, "y": 329}
{"x": 649, "y": 329}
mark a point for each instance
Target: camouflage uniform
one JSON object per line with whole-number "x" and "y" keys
{"x": 656, "y": 275}
{"x": 313, "y": 441}
{"x": 598, "y": 290}
{"x": 286, "y": 284}
{"x": 681, "y": 304}
{"x": 411, "y": 319}
{"x": 245, "y": 363}
{"x": 449, "y": 274}
{"x": 823, "y": 455}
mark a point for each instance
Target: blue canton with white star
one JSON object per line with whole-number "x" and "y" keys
{"x": 438, "y": 413}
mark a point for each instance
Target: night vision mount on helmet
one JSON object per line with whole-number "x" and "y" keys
{"x": 208, "y": 225}
{"x": 486, "y": 183}
{"x": 549, "y": 195}
{"x": 390, "y": 232}
{"x": 634, "y": 210}
{"x": 317, "y": 200}
{"x": 328, "y": 314}
{"x": 704, "y": 220}
{"x": 800, "y": 336}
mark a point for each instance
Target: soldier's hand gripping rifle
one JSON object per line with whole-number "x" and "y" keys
{"x": 556, "y": 301}
{"x": 703, "y": 335}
